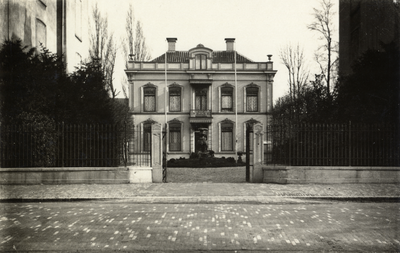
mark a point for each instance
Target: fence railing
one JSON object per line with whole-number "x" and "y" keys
{"x": 63, "y": 145}
{"x": 333, "y": 145}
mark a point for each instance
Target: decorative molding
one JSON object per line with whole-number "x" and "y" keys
{"x": 252, "y": 85}
{"x": 149, "y": 121}
{"x": 175, "y": 120}
{"x": 227, "y": 121}
{"x": 174, "y": 84}
{"x": 227, "y": 85}
{"x": 149, "y": 85}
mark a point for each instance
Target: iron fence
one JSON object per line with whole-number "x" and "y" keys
{"x": 63, "y": 145}
{"x": 333, "y": 145}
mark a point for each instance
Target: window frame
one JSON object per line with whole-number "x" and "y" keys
{"x": 38, "y": 23}
{"x": 176, "y": 125}
{"x": 201, "y": 93}
{"x": 255, "y": 94}
{"x": 78, "y": 19}
{"x": 223, "y": 126}
{"x": 144, "y": 95}
{"x": 200, "y": 61}
{"x": 147, "y": 139}
{"x": 222, "y": 88}
{"x": 175, "y": 87}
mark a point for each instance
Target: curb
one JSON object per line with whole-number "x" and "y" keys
{"x": 214, "y": 200}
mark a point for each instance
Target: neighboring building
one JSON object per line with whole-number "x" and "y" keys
{"x": 363, "y": 25}
{"x": 60, "y": 25}
{"x": 198, "y": 95}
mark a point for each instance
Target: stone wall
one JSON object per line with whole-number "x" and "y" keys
{"x": 102, "y": 175}
{"x": 330, "y": 175}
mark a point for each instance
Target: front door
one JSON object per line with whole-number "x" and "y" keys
{"x": 200, "y": 139}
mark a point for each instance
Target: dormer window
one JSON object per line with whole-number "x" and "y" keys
{"x": 201, "y": 61}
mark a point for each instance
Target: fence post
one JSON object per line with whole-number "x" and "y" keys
{"x": 349, "y": 143}
{"x": 62, "y": 144}
{"x": 256, "y": 171}
{"x": 156, "y": 152}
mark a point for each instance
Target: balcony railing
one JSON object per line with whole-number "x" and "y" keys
{"x": 254, "y": 66}
{"x": 200, "y": 114}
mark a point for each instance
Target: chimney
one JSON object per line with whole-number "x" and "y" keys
{"x": 230, "y": 44}
{"x": 171, "y": 44}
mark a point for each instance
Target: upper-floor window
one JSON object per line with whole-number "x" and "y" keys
{"x": 252, "y": 99}
{"x": 227, "y": 99}
{"x": 201, "y": 99}
{"x": 41, "y": 37}
{"x": 201, "y": 61}
{"x": 149, "y": 104}
{"x": 175, "y": 99}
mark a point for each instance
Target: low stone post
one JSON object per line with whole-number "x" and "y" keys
{"x": 256, "y": 172}
{"x": 156, "y": 152}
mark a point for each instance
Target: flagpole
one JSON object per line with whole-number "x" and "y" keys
{"x": 166, "y": 88}
{"x": 236, "y": 102}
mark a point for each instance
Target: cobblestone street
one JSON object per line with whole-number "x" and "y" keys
{"x": 121, "y": 225}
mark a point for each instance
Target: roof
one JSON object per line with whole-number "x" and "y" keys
{"x": 218, "y": 57}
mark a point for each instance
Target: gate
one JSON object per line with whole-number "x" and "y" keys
{"x": 164, "y": 158}
{"x": 249, "y": 132}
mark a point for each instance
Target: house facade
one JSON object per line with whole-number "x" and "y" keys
{"x": 61, "y": 26}
{"x": 200, "y": 95}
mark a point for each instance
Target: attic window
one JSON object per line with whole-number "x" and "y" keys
{"x": 201, "y": 61}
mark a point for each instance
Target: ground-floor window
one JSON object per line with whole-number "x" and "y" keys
{"x": 175, "y": 140}
{"x": 147, "y": 137}
{"x": 226, "y": 136}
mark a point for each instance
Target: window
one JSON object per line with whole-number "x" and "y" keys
{"x": 201, "y": 99}
{"x": 175, "y": 136}
{"x": 149, "y": 99}
{"x": 201, "y": 61}
{"x": 147, "y": 137}
{"x": 78, "y": 19}
{"x": 40, "y": 34}
{"x": 175, "y": 99}
{"x": 227, "y": 99}
{"x": 226, "y": 136}
{"x": 252, "y": 99}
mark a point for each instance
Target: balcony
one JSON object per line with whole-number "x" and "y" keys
{"x": 200, "y": 116}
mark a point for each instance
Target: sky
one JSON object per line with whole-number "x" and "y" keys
{"x": 260, "y": 27}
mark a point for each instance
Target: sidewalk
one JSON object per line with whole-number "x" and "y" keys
{"x": 200, "y": 192}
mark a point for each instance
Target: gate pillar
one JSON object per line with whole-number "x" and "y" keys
{"x": 256, "y": 171}
{"x": 156, "y": 153}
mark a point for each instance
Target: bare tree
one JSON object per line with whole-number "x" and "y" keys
{"x": 293, "y": 59}
{"x": 323, "y": 25}
{"x": 134, "y": 44}
{"x": 141, "y": 52}
{"x": 103, "y": 48}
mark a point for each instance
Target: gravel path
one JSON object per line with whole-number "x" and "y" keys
{"x": 210, "y": 175}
